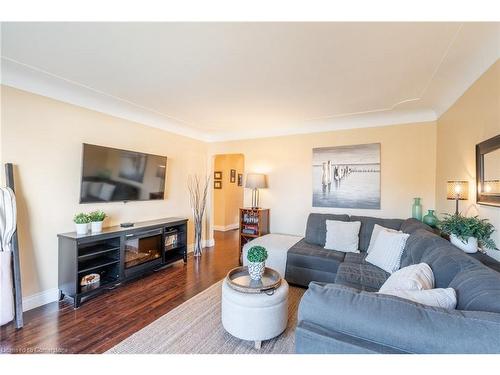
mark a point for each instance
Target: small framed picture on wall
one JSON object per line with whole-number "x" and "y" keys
{"x": 233, "y": 175}
{"x": 240, "y": 179}
{"x": 218, "y": 175}
{"x": 217, "y": 184}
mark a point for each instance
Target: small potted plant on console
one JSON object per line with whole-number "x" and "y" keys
{"x": 256, "y": 257}
{"x": 96, "y": 219}
{"x": 467, "y": 233}
{"x": 81, "y": 221}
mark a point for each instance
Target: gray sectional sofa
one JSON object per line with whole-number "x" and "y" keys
{"x": 339, "y": 313}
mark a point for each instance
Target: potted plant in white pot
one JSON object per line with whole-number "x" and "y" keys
{"x": 96, "y": 219}
{"x": 468, "y": 233}
{"x": 256, "y": 257}
{"x": 82, "y": 221}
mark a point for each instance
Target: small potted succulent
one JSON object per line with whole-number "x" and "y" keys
{"x": 467, "y": 233}
{"x": 82, "y": 221}
{"x": 256, "y": 257}
{"x": 96, "y": 219}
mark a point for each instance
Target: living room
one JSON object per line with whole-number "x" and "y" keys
{"x": 254, "y": 188}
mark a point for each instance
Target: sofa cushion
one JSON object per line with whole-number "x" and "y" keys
{"x": 354, "y": 257}
{"x": 367, "y": 224}
{"x": 478, "y": 289}
{"x": 306, "y": 262}
{"x": 399, "y": 323}
{"x": 412, "y": 225}
{"x": 445, "y": 260}
{"x": 362, "y": 276}
{"x": 316, "y": 227}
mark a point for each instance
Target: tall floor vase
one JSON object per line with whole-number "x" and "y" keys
{"x": 198, "y": 198}
{"x": 198, "y": 248}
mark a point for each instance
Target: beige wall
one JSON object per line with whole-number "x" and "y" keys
{"x": 229, "y": 199}
{"x": 43, "y": 138}
{"x": 407, "y": 160}
{"x": 474, "y": 118}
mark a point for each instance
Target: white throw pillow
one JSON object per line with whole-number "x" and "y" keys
{"x": 376, "y": 230}
{"x": 342, "y": 235}
{"x": 386, "y": 253}
{"x": 107, "y": 191}
{"x": 445, "y": 298}
{"x": 414, "y": 277}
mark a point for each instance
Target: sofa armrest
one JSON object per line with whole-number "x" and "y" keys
{"x": 399, "y": 323}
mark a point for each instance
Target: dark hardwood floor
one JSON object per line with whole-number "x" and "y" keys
{"x": 104, "y": 321}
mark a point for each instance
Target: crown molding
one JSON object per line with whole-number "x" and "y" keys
{"x": 36, "y": 81}
{"x": 367, "y": 120}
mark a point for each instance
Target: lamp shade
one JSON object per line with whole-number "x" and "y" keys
{"x": 256, "y": 181}
{"x": 457, "y": 190}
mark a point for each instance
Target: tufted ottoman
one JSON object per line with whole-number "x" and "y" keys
{"x": 255, "y": 317}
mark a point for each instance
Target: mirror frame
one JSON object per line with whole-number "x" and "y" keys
{"x": 482, "y": 148}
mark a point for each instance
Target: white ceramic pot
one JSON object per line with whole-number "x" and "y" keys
{"x": 469, "y": 247}
{"x": 96, "y": 226}
{"x": 6, "y": 294}
{"x": 256, "y": 270}
{"x": 82, "y": 228}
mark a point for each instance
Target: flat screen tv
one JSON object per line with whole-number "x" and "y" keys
{"x": 114, "y": 175}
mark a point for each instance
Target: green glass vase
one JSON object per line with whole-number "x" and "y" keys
{"x": 430, "y": 219}
{"x": 416, "y": 209}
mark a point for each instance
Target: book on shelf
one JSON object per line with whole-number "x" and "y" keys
{"x": 249, "y": 231}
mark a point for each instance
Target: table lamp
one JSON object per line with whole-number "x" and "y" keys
{"x": 256, "y": 181}
{"x": 458, "y": 191}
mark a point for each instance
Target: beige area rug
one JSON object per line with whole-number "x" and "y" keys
{"x": 195, "y": 327}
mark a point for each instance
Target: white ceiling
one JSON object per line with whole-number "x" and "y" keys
{"x": 217, "y": 81}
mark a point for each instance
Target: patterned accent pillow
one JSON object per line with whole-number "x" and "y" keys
{"x": 386, "y": 253}
{"x": 440, "y": 297}
{"x": 376, "y": 230}
{"x": 414, "y": 277}
{"x": 342, "y": 235}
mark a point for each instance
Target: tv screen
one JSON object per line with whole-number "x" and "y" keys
{"x": 113, "y": 175}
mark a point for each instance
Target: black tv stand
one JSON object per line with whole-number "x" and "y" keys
{"x": 118, "y": 254}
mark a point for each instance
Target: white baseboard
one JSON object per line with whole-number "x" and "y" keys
{"x": 41, "y": 298}
{"x": 206, "y": 243}
{"x": 223, "y": 228}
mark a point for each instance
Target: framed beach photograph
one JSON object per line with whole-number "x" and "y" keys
{"x": 347, "y": 176}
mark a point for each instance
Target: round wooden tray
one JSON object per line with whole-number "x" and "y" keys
{"x": 239, "y": 279}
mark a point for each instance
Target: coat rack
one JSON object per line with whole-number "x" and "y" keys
{"x": 18, "y": 296}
